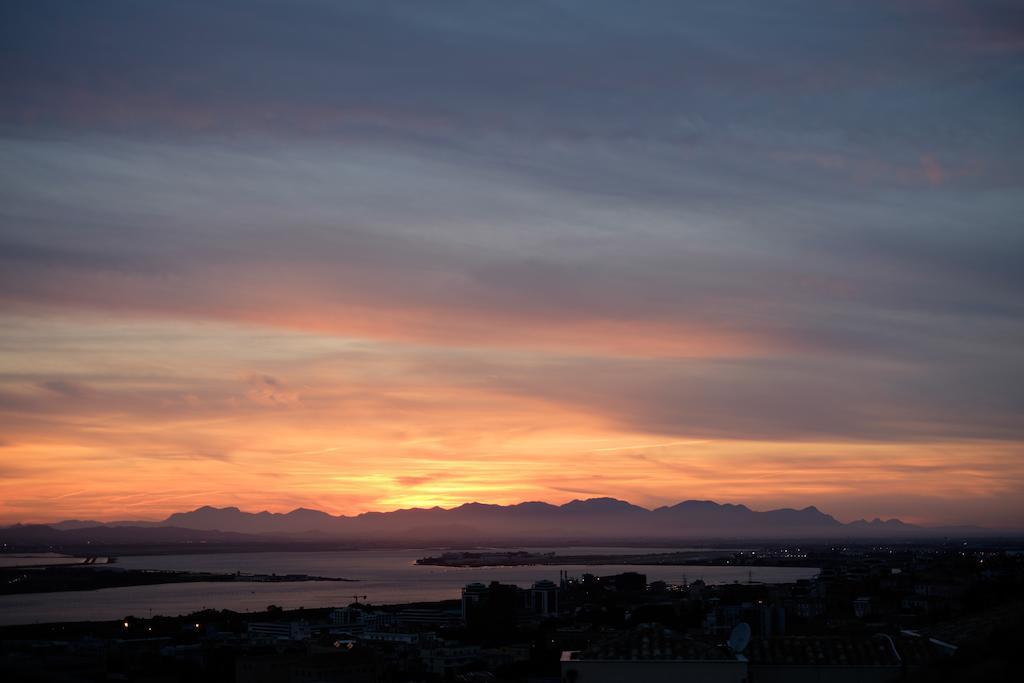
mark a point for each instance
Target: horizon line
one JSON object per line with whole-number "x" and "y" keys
{"x": 868, "y": 519}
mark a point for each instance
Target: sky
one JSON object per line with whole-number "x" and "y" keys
{"x": 367, "y": 255}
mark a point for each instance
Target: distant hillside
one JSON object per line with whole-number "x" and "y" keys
{"x": 594, "y": 518}
{"x": 107, "y": 535}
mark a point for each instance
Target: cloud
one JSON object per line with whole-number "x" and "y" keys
{"x": 269, "y": 391}
{"x": 415, "y": 480}
{"x": 360, "y": 68}
{"x": 623, "y": 277}
{"x": 67, "y": 388}
{"x": 504, "y": 229}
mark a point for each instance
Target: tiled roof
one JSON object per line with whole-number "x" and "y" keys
{"x": 823, "y": 651}
{"x": 652, "y": 643}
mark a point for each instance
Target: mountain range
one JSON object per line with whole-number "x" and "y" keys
{"x": 594, "y": 518}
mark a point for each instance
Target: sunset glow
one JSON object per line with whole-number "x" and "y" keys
{"x": 427, "y": 258}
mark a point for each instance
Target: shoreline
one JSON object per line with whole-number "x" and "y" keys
{"x": 674, "y": 559}
{"x": 66, "y": 578}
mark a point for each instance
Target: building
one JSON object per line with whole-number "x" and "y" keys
{"x": 862, "y": 607}
{"x": 472, "y": 596}
{"x": 819, "y": 659}
{"x": 448, "y": 659}
{"x": 627, "y": 582}
{"x": 400, "y": 637}
{"x": 766, "y": 621}
{"x": 351, "y": 666}
{"x": 657, "y": 655}
{"x": 543, "y": 598}
{"x": 294, "y": 630}
{"x": 505, "y": 600}
{"x": 653, "y": 655}
{"x": 426, "y": 617}
{"x": 721, "y": 619}
{"x": 358, "y": 619}
{"x": 492, "y": 607}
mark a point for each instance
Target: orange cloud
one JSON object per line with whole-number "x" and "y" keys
{"x": 176, "y": 426}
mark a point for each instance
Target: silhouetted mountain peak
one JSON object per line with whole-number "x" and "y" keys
{"x": 809, "y": 516}
{"x": 474, "y": 506}
{"x": 878, "y": 522}
{"x": 308, "y": 512}
{"x": 706, "y": 505}
{"x": 600, "y": 505}
{"x": 601, "y": 517}
{"x": 69, "y": 524}
{"x": 210, "y": 508}
{"x": 534, "y": 505}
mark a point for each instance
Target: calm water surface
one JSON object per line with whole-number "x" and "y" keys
{"x": 384, "y": 576}
{"x": 38, "y": 559}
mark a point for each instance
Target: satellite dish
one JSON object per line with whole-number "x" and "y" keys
{"x": 740, "y": 637}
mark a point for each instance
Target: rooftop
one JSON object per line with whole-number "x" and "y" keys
{"x": 829, "y": 651}
{"x": 652, "y": 643}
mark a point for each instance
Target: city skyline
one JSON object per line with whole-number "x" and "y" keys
{"x": 368, "y": 256}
